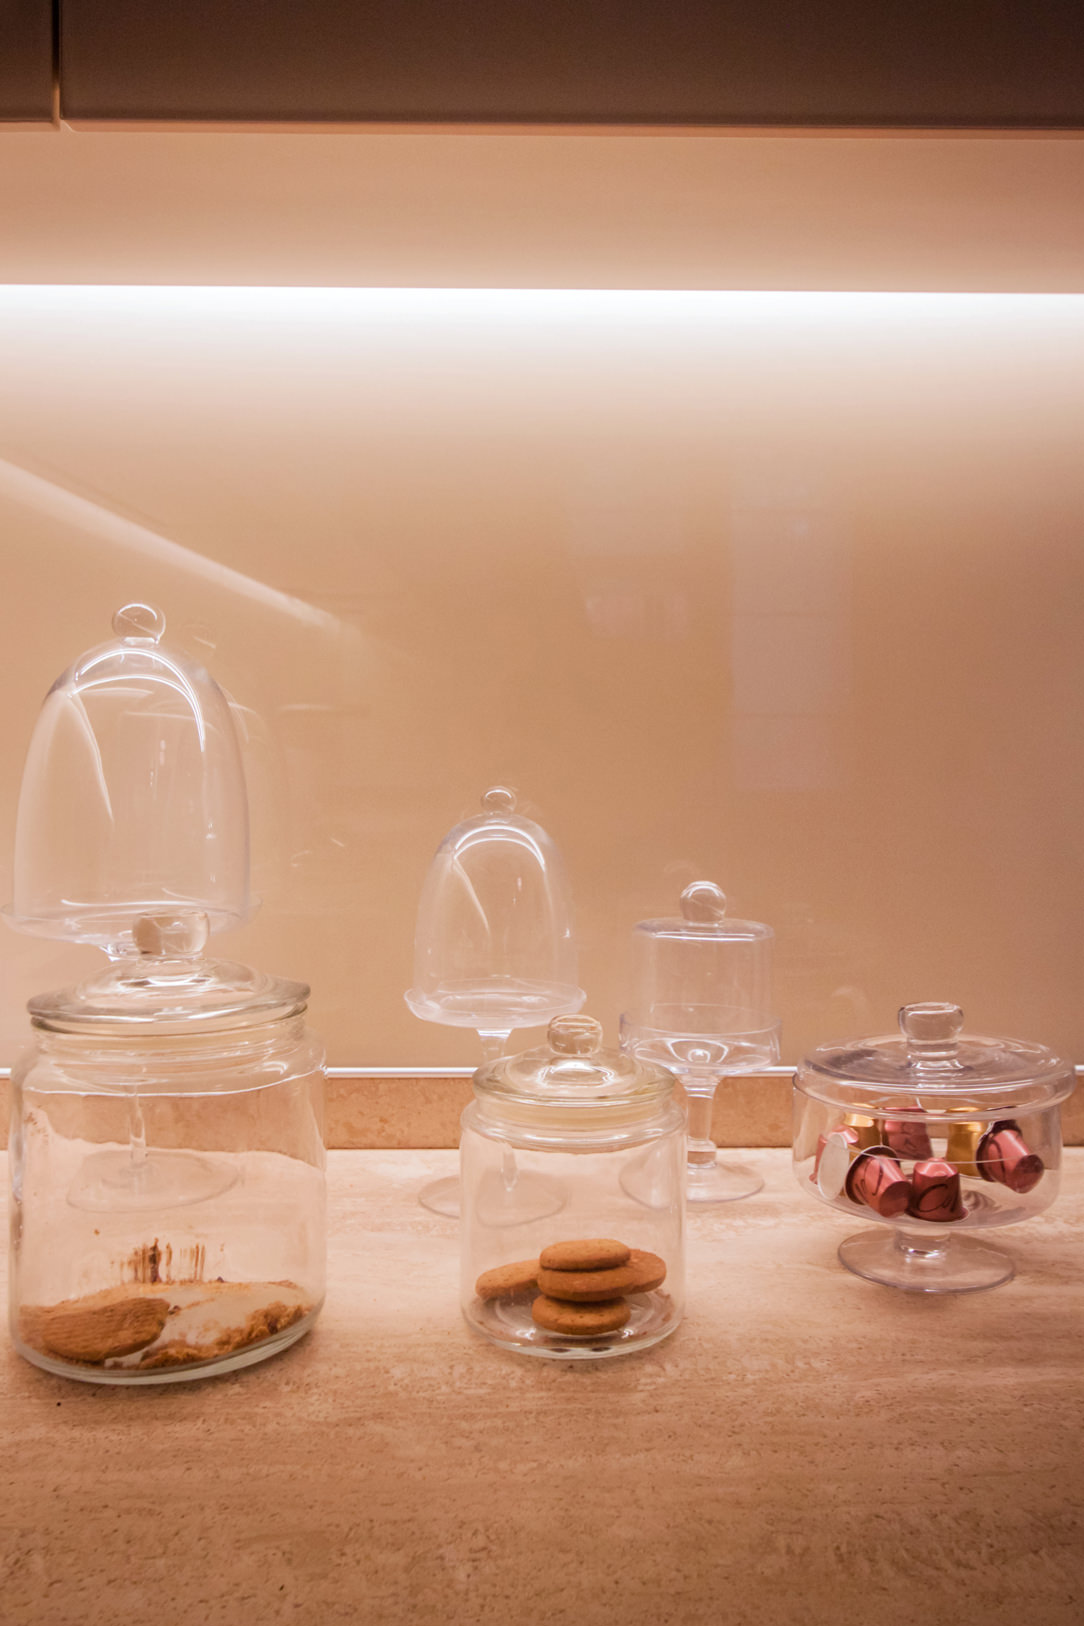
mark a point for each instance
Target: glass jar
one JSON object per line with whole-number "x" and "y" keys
{"x": 572, "y": 1167}
{"x": 167, "y": 1159}
{"x": 167, "y": 1174}
{"x": 936, "y": 1136}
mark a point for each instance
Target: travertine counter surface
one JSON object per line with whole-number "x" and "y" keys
{"x": 807, "y": 1448}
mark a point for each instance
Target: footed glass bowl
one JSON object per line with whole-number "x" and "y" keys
{"x": 934, "y": 1138}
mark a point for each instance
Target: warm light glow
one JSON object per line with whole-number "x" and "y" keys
{"x": 527, "y": 304}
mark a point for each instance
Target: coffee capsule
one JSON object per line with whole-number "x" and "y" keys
{"x": 867, "y": 1131}
{"x": 834, "y": 1154}
{"x": 908, "y": 1137}
{"x": 876, "y": 1179}
{"x": 963, "y": 1145}
{"x": 842, "y": 1143}
{"x": 935, "y": 1192}
{"x": 1003, "y": 1155}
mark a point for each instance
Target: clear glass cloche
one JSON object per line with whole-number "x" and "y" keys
{"x": 701, "y": 1003}
{"x": 133, "y": 797}
{"x": 494, "y": 948}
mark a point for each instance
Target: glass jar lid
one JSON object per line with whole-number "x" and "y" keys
{"x": 704, "y": 919}
{"x": 933, "y": 1065}
{"x": 133, "y": 797}
{"x": 573, "y": 1072}
{"x": 166, "y": 987}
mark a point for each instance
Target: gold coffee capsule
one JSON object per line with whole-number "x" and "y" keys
{"x": 868, "y": 1130}
{"x": 963, "y": 1146}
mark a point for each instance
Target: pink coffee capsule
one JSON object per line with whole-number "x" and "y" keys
{"x": 1004, "y": 1156}
{"x": 876, "y": 1179}
{"x": 935, "y": 1192}
{"x": 907, "y": 1138}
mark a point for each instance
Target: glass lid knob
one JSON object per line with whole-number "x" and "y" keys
{"x": 140, "y": 623}
{"x": 575, "y": 1035}
{"x": 703, "y": 902}
{"x": 931, "y": 1030}
{"x": 181, "y": 937}
{"x": 499, "y": 799}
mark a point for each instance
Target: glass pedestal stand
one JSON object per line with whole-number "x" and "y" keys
{"x": 527, "y": 1196}
{"x": 921, "y": 1263}
{"x": 521, "y": 1198}
{"x": 112, "y": 1182}
{"x": 441, "y": 1197}
{"x": 140, "y": 1180}
{"x": 708, "y": 1180}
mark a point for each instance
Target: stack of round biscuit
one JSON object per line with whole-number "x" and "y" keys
{"x": 582, "y": 1287}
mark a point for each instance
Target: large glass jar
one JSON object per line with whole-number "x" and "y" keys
{"x": 167, "y": 1160}
{"x": 937, "y": 1137}
{"x": 167, "y": 1171}
{"x": 572, "y": 1164}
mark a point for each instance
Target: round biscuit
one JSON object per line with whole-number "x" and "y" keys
{"x": 505, "y": 1281}
{"x": 650, "y": 1269}
{"x": 596, "y": 1253}
{"x": 579, "y": 1320}
{"x": 643, "y": 1272}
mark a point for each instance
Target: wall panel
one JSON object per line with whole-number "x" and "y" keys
{"x": 780, "y": 589}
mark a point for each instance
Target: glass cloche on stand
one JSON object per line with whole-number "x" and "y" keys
{"x": 702, "y": 1006}
{"x": 494, "y": 948}
{"x": 936, "y": 1137}
{"x": 167, "y": 1157}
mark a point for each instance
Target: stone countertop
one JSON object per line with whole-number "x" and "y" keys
{"x": 807, "y": 1449}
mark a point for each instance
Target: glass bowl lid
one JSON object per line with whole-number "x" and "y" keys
{"x": 932, "y": 1065}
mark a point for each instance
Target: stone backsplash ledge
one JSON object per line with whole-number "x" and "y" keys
{"x": 396, "y": 1110}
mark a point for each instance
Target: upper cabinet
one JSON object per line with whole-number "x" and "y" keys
{"x": 1009, "y": 64}
{"x": 26, "y": 61}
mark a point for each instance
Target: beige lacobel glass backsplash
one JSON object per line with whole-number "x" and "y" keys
{"x": 781, "y": 590}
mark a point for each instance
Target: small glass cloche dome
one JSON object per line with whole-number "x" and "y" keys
{"x": 494, "y": 948}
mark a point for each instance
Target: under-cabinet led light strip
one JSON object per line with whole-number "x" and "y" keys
{"x": 502, "y": 304}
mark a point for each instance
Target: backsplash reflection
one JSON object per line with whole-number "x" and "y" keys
{"x": 780, "y": 589}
